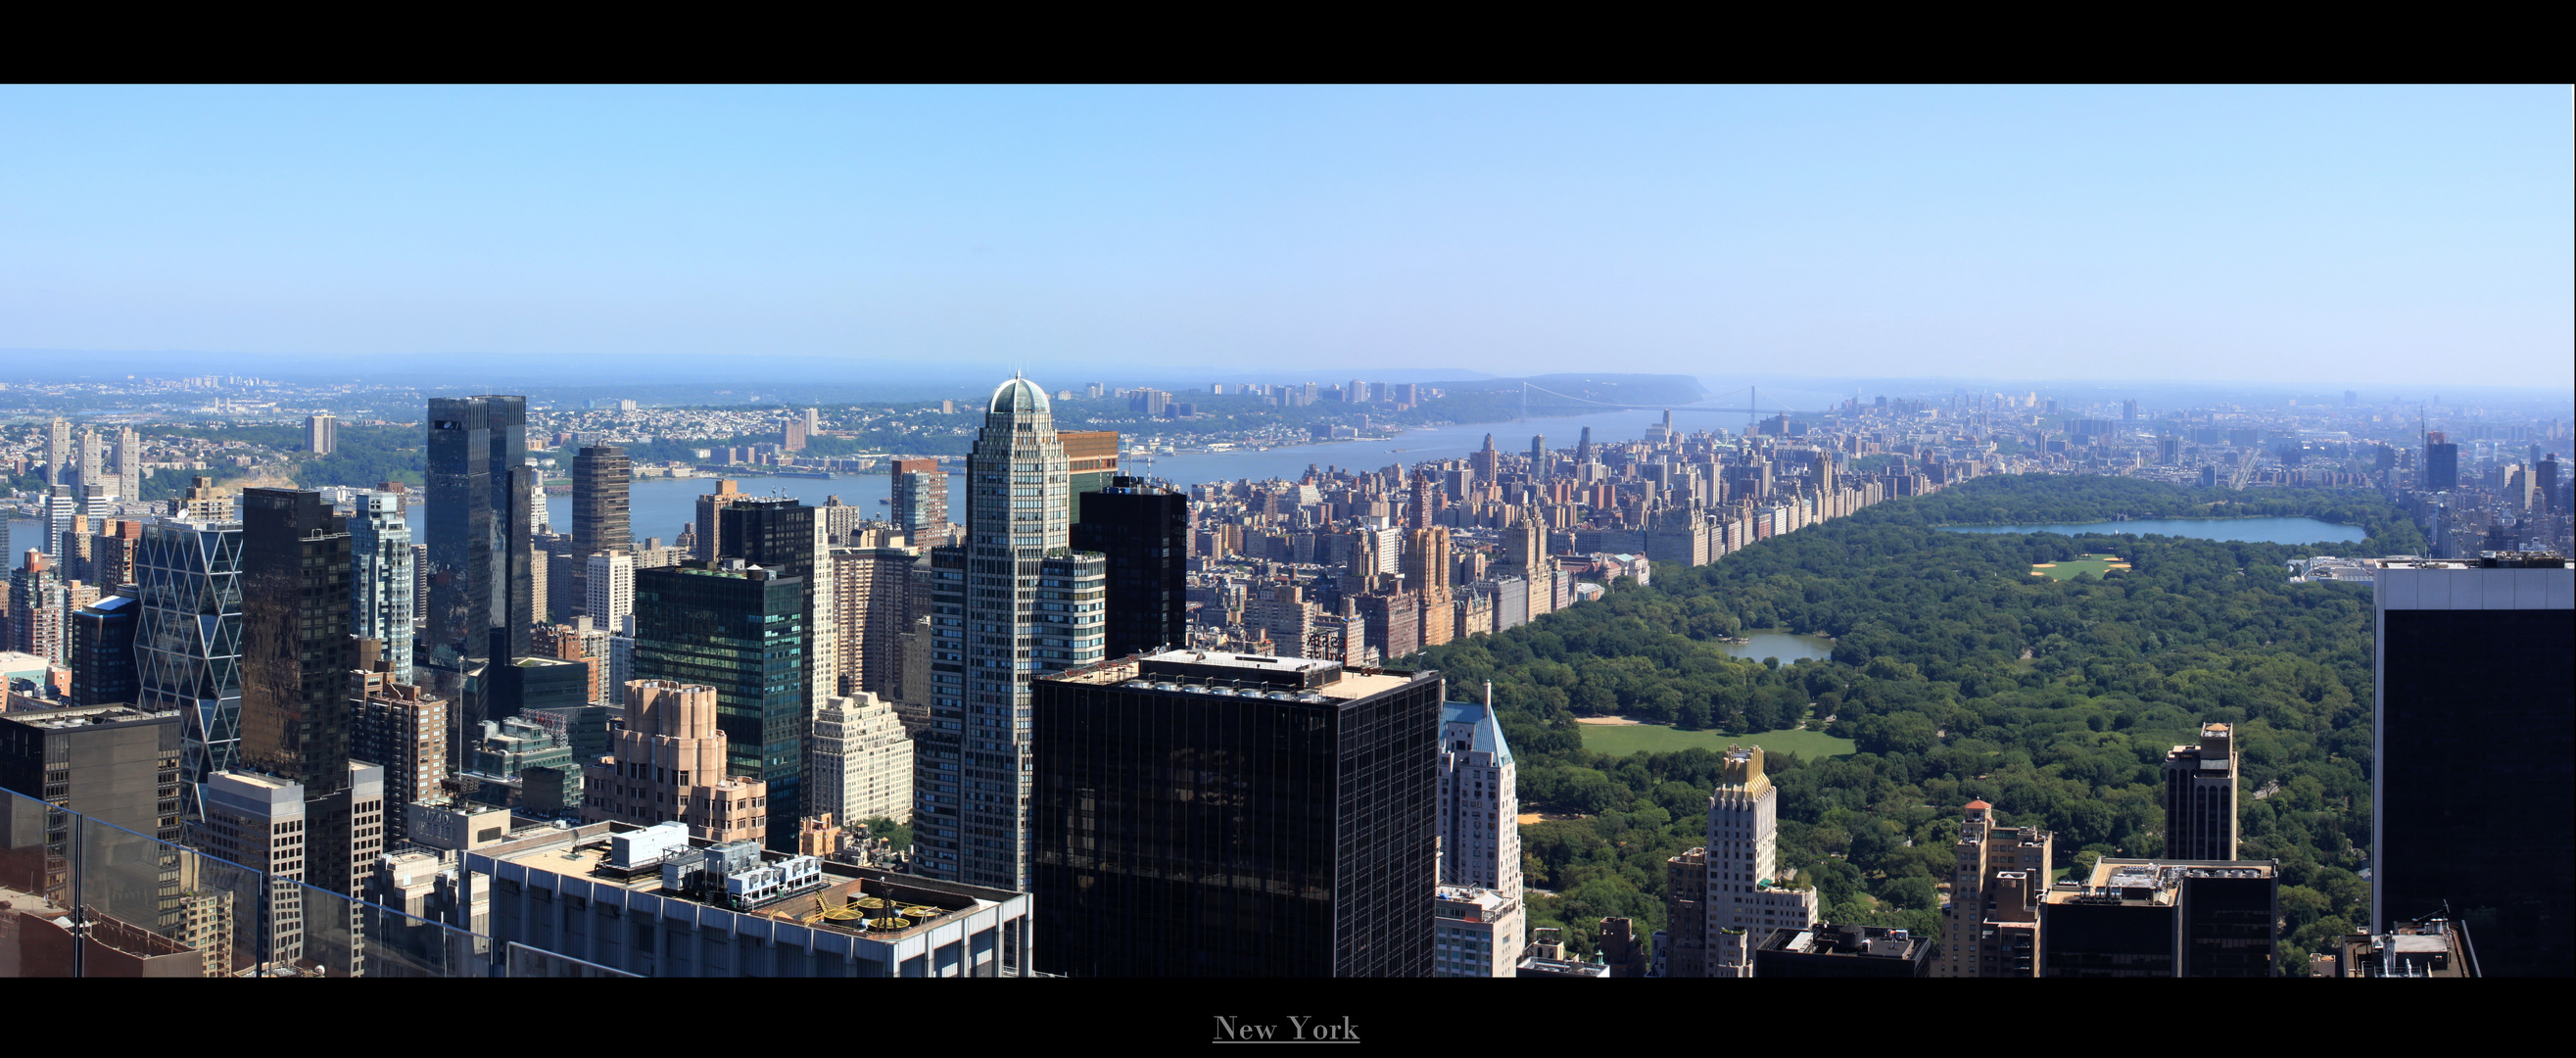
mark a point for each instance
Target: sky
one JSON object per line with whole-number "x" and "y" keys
{"x": 2206, "y": 234}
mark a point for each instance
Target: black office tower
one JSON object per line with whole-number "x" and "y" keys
{"x": 740, "y": 631}
{"x": 103, "y": 669}
{"x": 778, "y": 535}
{"x": 1217, "y": 815}
{"x": 2441, "y": 463}
{"x": 2474, "y": 807}
{"x": 296, "y": 655}
{"x": 1144, "y": 534}
{"x": 480, "y": 544}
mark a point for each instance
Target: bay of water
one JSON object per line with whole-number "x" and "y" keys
{"x": 1786, "y": 646}
{"x": 2266, "y": 530}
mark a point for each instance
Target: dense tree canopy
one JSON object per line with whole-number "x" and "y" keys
{"x": 1961, "y": 676}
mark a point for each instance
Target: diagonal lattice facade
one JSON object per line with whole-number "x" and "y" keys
{"x": 187, "y": 643}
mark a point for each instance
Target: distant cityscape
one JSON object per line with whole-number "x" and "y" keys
{"x": 1048, "y": 712}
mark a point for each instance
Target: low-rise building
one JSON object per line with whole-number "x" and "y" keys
{"x": 1829, "y": 950}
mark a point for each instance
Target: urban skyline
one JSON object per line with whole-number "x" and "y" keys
{"x": 1449, "y": 532}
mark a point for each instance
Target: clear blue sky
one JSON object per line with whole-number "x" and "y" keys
{"x": 2344, "y": 234}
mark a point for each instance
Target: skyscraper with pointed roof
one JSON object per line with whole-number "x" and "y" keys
{"x": 1012, "y": 603}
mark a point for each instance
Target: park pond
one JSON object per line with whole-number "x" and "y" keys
{"x": 2265, "y": 530}
{"x": 1760, "y": 643}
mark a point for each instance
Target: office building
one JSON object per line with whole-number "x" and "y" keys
{"x": 1220, "y": 815}
{"x": 480, "y": 551}
{"x": 741, "y": 632}
{"x": 2465, "y": 824}
{"x": 710, "y": 530}
{"x": 1090, "y": 461}
{"x": 1010, "y": 604}
{"x": 1143, "y": 533}
{"x": 399, "y": 728}
{"x": 102, "y": 653}
{"x": 2441, "y": 463}
{"x": 633, "y": 900}
{"x": 296, "y": 656}
{"x": 114, "y": 764}
{"x": 58, "y": 453}
{"x": 781, "y": 535}
{"x": 2200, "y": 797}
{"x": 187, "y": 642}
{"x": 2161, "y": 918}
{"x": 601, "y": 477}
{"x": 873, "y": 586}
{"x": 380, "y": 602}
{"x": 1476, "y": 932}
{"x": 920, "y": 499}
{"x": 1830, "y": 950}
{"x": 862, "y": 764}
{"x": 1735, "y": 882}
{"x": 1480, "y": 834}
{"x": 321, "y": 433}
{"x": 669, "y": 764}
{"x": 1990, "y": 927}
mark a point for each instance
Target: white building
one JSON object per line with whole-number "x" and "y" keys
{"x": 1480, "y": 923}
{"x": 861, "y": 768}
{"x": 611, "y": 581}
{"x": 382, "y": 605}
{"x": 1745, "y": 900}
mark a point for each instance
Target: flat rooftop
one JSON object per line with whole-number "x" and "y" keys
{"x": 2156, "y": 882}
{"x": 1193, "y": 668}
{"x": 838, "y": 906}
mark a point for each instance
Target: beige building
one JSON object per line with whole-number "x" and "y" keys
{"x": 401, "y": 728}
{"x": 861, "y": 767}
{"x": 870, "y": 587}
{"x": 669, "y": 764}
{"x": 1476, "y": 932}
{"x": 1991, "y": 926}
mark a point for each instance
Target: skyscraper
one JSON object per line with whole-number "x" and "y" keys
{"x": 2484, "y": 826}
{"x": 671, "y": 763}
{"x": 601, "y": 478}
{"x": 187, "y": 643}
{"x": 1480, "y": 836}
{"x": 862, "y": 764}
{"x": 1742, "y": 898}
{"x": 921, "y": 500}
{"x": 2161, "y": 918}
{"x": 1216, "y": 815}
{"x": 740, "y": 631}
{"x": 781, "y": 535}
{"x": 709, "y": 529}
{"x": 296, "y": 658}
{"x": 381, "y": 602}
{"x": 2200, "y": 797}
{"x": 1143, "y": 533}
{"x": 480, "y": 551}
{"x": 1014, "y": 602}
{"x": 611, "y": 584}
{"x": 321, "y": 433}
{"x": 102, "y": 656}
{"x": 2441, "y": 463}
{"x": 58, "y": 453}
{"x": 1991, "y": 926}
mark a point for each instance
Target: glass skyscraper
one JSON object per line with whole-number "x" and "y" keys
{"x": 1143, "y": 533}
{"x": 2465, "y": 823}
{"x": 1015, "y": 602}
{"x": 479, "y": 487}
{"x": 381, "y": 590}
{"x": 187, "y": 642}
{"x": 740, "y": 631}
{"x": 1217, "y": 815}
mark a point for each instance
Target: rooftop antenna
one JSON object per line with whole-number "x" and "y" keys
{"x": 1489, "y": 696}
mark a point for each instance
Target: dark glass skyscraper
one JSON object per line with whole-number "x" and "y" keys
{"x": 2474, "y": 807}
{"x": 103, "y": 653}
{"x": 1143, "y": 532}
{"x": 601, "y": 479}
{"x": 740, "y": 631}
{"x": 480, "y": 550}
{"x": 2441, "y": 469}
{"x": 1212, "y": 815}
{"x": 297, "y": 654}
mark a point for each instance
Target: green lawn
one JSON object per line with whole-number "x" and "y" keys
{"x": 1621, "y": 741}
{"x": 2072, "y": 567}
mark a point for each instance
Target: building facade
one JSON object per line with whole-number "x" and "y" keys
{"x": 380, "y": 602}
{"x": 1991, "y": 927}
{"x": 1220, "y": 815}
{"x": 2460, "y": 818}
{"x": 740, "y": 631}
{"x": 187, "y": 642}
{"x": 2200, "y": 797}
{"x": 862, "y": 765}
{"x": 1143, "y": 533}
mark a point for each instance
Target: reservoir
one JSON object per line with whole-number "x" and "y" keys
{"x": 2269, "y": 530}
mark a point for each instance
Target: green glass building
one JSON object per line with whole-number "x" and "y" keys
{"x": 741, "y": 631}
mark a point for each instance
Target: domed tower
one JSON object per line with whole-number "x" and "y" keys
{"x": 1029, "y": 606}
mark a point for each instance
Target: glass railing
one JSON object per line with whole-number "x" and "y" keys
{"x": 84, "y": 898}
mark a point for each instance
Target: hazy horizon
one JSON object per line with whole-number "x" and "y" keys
{"x": 2268, "y": 236}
